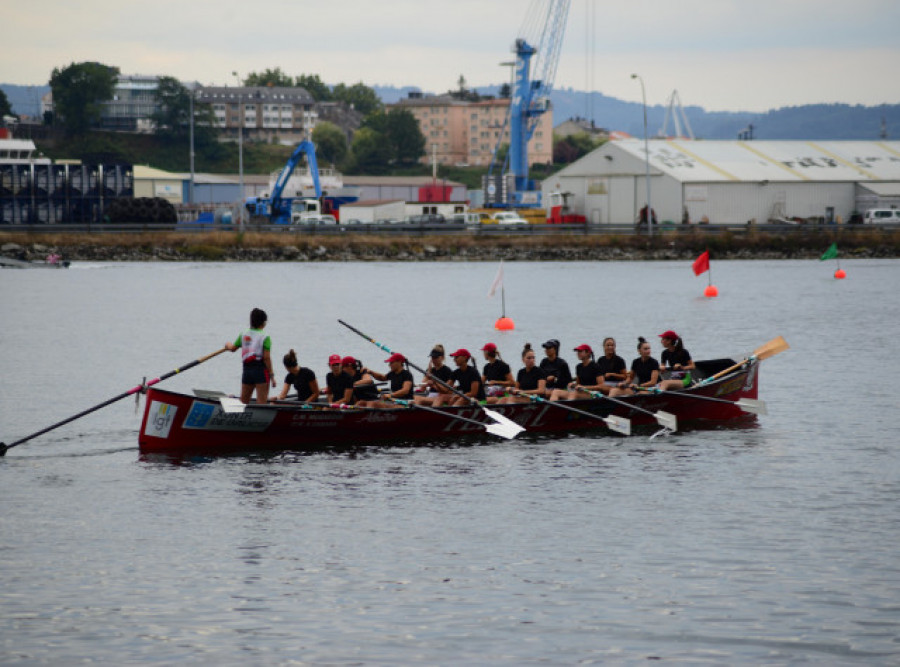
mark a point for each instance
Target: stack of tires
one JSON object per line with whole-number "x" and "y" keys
{"x": 144, "y": 210}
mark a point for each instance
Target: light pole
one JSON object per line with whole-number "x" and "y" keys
{"x": 191, "y": 191}
{"x": 240, "y": 150}
{"x": 646, "y": 157}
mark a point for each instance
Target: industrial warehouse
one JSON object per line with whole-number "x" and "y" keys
{"x": 731, "y": 182}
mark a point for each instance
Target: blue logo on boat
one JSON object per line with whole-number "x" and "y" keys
{"x": 199, "y": 415}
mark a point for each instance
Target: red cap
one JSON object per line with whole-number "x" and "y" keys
{"x": 334, "y": 359}
{"x": 489, "y": 347}
{"x": 348, "y": 361}
{"x": 461, "y": 352}
{"x": 669, "y": 334}
{"x": 585, "y": 347}
{"x": 395, "y": 357}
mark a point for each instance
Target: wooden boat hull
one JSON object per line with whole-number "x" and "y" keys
{"x": 178, "y": 424}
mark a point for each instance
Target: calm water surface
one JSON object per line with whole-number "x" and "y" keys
{"x": 776, "y": 544}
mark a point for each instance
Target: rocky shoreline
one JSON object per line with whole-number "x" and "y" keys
{"x": 159, "y": 248}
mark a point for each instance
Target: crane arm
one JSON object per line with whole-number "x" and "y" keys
{"x": 305, "y": 147}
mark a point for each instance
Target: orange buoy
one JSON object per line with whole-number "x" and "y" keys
{"x": 504, "y": 324}
{"x": 840, "y": 274}
{"x": 711, "y": 291}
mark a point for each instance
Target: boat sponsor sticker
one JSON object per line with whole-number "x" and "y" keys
{"x": 211, "y": 417}
{"x": 159, "y": 419}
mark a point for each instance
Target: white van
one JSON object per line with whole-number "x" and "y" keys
{"x": 880, "y": 215}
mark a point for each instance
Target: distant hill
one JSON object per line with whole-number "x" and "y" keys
{"x": 25, "y": 100}
{"x": 808, "y": 122}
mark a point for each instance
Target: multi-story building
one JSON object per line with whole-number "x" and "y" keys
{"x": 264, "y": 112}
{"x": 132, "y": 103}
{"x": 460, "y": 132}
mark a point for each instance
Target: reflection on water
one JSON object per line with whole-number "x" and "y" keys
{"x": 774, "y": 542}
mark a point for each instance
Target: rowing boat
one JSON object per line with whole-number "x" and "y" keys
{"x": 179, "y": 424}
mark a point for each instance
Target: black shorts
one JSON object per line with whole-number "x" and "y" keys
{"x": 254, "y": 373}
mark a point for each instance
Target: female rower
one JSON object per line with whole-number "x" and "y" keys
{"x": 438, "y": 369}
{"x": 644, "y": 372}
{"x": 497, "y": 376}
{"x": 362, "y": 388}
{"x": 400, "y": 379}
{"x": 587, "y": 377}
{"x": 612, "y": 366}
{"x": 676, "y": 360}
{"x": 255, "y": 349}
{"x": 529, "y": 380}
{"x": 336, "y": 381}
{"x": 555, "y": 369}
{"x": 300, "y": 378}
{"x": 466, "y": 379}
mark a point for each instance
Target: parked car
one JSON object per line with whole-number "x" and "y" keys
{"x": 315, "y": 220}
{"x": 509, "y": 218}
{"x": 427, "y": 219}
{"x": 878, "y": 215}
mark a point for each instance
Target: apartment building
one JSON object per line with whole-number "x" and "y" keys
{"x": 264, "y": 113}
{"x": 460, "y": 132}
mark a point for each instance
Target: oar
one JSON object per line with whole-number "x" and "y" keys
{"x": 663, "y": 418}
{"x": 134, "y": 390}
{"x": 619, "y": 424}
{"x": 510, "y": 428}
{"x": 770, "y": 349}
{"x": 745, "y": 404}
{"x": 496, "y": 429}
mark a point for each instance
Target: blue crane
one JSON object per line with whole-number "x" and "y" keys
{"x": 530, "y": 100}
{"x": 277, "y": 207}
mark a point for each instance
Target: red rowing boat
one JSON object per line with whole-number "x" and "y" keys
{"x": 177, "y": 424}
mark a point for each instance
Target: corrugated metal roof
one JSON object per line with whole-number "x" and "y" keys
{"x": 755, "y": 161}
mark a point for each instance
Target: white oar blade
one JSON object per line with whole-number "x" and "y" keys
{"x": 504, "y": 427}
{"x": 751, "y": 405}
{"x": 667, "y": 420}
{"x": 619, "y": 424}
{"x": 230, "y": 404}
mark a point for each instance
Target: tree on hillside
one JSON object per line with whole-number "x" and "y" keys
{"x": 5, "y": 108}
{"x": 359, "y": 95}
{"x": 78, "y": 91}
{"x": 173, "y": 118}
{"x": 406, "y": 138}
{"x": 315, "y": 87}
{"x": 572, "y": 147}
{"x": 371, "y": 152}
{"x": 271, "y": 77}
{"x": 330, "y": 141}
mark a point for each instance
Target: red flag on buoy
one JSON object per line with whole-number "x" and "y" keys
{"x": 701, "y": 264}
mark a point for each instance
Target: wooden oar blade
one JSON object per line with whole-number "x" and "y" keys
{"x": 752, "y": 405}
{"x": 619, "y": 424}
{"x": 770, "y": 349}
{"x": 666, "y": 419}
{"x": 505, "y": 427}
{"x": 231, "y": 405}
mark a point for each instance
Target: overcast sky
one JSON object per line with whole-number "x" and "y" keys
{"x": 747, "y": 55}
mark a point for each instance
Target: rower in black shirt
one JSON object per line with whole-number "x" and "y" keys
{"x": 587, "y": 374}
{"x": 556, "y": 370}
{"x": 529, "y": 381}
{"x": 497, "y": 376}
{"x": 438, "y": 369}
{"x": 400, "y": 379}
{"x": 644, "y": 372}
{"x": 300, "y": 378}
{"x": 467, "y": 380}
{"x": 675, "y": 362}
{"x": 612, "y": 366}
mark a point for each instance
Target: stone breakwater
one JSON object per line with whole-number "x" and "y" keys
{"x": 418, "y": 250}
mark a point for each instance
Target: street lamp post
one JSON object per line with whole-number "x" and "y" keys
{"x": 191, "y": 191}
{"x": 646, "y": 157}
{"x": 240, "y": 150}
